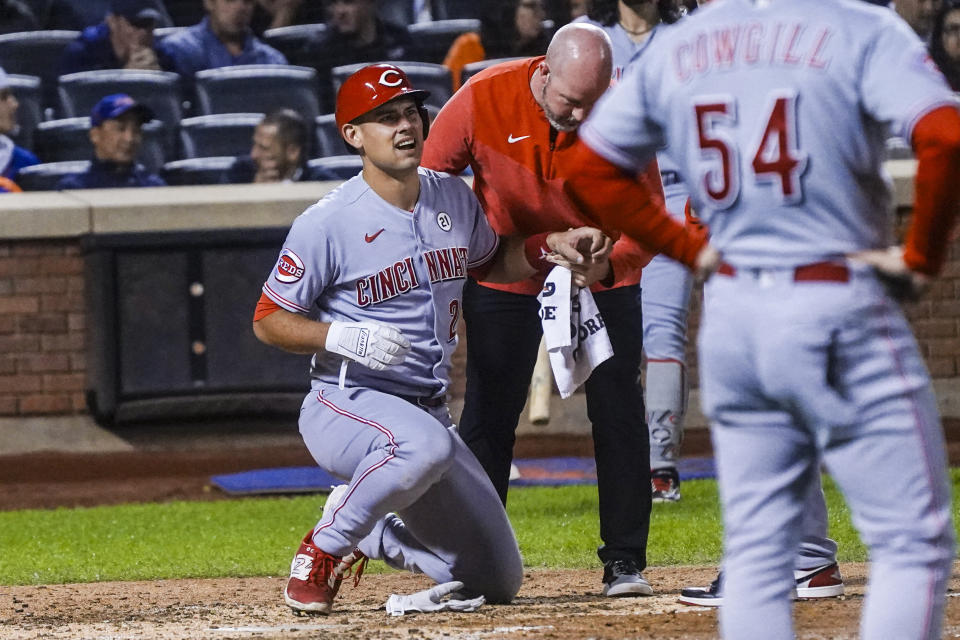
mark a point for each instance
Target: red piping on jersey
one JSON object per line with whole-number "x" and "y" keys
{"x": 919, "y": 432}
{"x": 370, "y": 423}
{"x": 276, "y": 296}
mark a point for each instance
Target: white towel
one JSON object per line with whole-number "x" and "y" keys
{"x": 575, "y": 334}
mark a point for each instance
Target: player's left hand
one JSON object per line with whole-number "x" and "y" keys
{"x": 582, "y": 245}
{"x": 432, "y": 600}
{"x": 901, "y": 282}
{"x": 708, "y": 261}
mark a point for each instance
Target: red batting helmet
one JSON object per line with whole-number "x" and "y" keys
{"x": 372, "y": 86}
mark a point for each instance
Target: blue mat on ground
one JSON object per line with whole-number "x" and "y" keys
{"x": 533, "y": 472}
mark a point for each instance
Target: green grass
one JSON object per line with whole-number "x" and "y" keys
{"x": 556, "y": 527}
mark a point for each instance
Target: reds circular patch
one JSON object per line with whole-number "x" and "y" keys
{"x": 289, "y": 267}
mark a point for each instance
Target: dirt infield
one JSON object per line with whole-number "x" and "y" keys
{"x": 561, "y": 605}
{"x": 557, "y": 605}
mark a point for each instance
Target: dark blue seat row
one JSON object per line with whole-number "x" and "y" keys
{"x": 193, "y": 171}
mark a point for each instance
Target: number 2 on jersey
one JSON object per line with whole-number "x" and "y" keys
{"x": 454, "y": 319}
{"x": 777, "y": 159}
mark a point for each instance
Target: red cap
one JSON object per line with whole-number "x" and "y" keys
{"x": 370, "y": 87}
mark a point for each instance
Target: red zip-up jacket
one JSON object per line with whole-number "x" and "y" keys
{"x": 530, "y": 178}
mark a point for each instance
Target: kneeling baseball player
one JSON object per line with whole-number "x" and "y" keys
{"x": 369, "y": 280}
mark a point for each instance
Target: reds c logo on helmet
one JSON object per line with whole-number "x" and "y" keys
{"x": 372, "y": 86}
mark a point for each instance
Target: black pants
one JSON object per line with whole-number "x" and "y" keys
{"x": 503, "y": 335}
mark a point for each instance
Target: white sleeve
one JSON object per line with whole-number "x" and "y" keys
{"x": 620, "y": 128}
{"x": 900, "y": 83}
{"x": 303, "y": 269}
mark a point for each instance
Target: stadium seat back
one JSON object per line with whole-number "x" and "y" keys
{"x": 220, "y": 134}
{"x": 36, "y": 53}
{"x": 341, "y": 167}
{"x": 46, "y": 176}
{"x": 290, "y": 40}
{"x": 430, "y": 41}
{"x": 198, "y": 170}
{"x": 258, "y": 88}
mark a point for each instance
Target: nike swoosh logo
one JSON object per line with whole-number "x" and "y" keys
{"x": 371, "y": 238}
{"x": 511, "y": 139}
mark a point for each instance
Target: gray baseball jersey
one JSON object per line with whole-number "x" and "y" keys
{"x": 777, "y": 111}
{"x": 386, "y": 265}
{"x": 729, "y": 91}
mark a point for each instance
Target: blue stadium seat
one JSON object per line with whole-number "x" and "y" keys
{"x": 159, "y": 90}
{"x": 36, "y": 53}
{"x": 69, "y": 139}
{"x": 430, "y": 41}
{"x": 472, "y": 69}
{"x": 198, "y": 170}
{"x": 428, "y": 76}
{"x": 219, "y": 134}
{"x": 259, "y": 88}
{"x": 28, "y": 91}
{"x": 327, "y": 140}
{"x": 334, "y": 167}
{"x": 46, "y": 176}
{"x": 290, "y": 40}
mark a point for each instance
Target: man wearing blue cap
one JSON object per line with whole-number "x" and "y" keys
{"x": 115, "y": 131}
{"x": 124, "y": 40}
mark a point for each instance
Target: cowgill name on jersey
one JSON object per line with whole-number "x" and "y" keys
{"x": 449, "y": 263}
{"x": 750, "y": 45}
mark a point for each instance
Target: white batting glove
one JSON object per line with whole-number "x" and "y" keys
{"x": 372, "y": 344}
{"x": 431, "y": 600}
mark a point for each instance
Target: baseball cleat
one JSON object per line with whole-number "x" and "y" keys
{"x": 315, "y": 577}
{"x": 703, "y": 596}
{"x": 665, "y": 484}
{"x": 820, "y": 582}
{"x": 622, "y": 578}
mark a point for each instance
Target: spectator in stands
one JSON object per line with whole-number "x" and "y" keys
{"x": 919, "y": 15}
{"x": 273, "y": 14}
{"x": 77, "y": 15}
{"x": 279, "y": 151}
{"x": 355, "y": 34}
{"x": 115, "y": 132}
{"x": 124, "y": 40}
{"x": 16, "y": 16}
{"x": 509, "y": 28}
{"x": 12, "y": 157}
{"x": 222, "y": 39}
{"x": 411, "y": 11}
{"x": 945, "y": 42}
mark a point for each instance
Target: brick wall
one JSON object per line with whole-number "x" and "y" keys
{"x": 42, "y": 327}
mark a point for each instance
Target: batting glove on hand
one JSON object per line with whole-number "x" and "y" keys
{"x": 372, "y": 344}
{"x": 432, "y": 600}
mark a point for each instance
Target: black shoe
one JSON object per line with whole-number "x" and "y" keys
{"x": 703, "y": 596}
{"x": 623, "y": 578}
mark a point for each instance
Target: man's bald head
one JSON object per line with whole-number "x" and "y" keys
{"x": 574, "y": 74}
{"x": 583, "y": 49}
